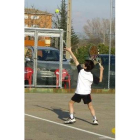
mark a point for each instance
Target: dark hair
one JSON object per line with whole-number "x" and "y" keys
{"x": 89, "y": 64}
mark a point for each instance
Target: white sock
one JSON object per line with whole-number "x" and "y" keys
{"x": 71, "y": 116}
{"x": 94, "y": 117}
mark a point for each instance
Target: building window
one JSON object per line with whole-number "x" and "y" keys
{"x": 34, "y": 26}
{"x": 34, "y": 17}
{"x": 25, "y": 16}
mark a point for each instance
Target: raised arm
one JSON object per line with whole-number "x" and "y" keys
{"x": 72, "y": 55}
{"x": 101, "y": 73}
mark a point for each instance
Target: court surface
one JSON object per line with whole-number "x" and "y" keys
{"x": 45, "y": 113}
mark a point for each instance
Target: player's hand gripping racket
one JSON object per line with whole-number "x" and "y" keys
{"x": 94, "y": 55}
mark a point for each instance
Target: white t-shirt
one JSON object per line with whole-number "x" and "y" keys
{"x": 85, "y": 80}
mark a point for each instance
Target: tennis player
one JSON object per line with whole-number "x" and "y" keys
{"x": 83, "y": 90}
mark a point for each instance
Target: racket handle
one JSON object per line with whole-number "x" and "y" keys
{"x": 99, "y": 64}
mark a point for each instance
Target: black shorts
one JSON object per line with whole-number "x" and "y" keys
{"x": 77, "y": 98}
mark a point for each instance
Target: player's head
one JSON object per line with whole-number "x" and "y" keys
{"x": 89, "y": 65}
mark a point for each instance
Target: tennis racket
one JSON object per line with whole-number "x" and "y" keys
{"x": 94, "y": 55}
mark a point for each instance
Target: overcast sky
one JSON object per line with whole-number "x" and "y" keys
{"x": 82, "y": 10}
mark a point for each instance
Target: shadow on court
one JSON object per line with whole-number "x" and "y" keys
{"x": 62, "y": 114}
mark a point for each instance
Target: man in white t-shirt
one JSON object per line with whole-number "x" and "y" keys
{"x": 83, "y": 90}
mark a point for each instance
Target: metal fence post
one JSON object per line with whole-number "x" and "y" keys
{"x": 110, "y": 44}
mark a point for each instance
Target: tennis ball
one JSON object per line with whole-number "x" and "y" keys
{"x": 57, "y": 11}
{"x": 113, "y": 130}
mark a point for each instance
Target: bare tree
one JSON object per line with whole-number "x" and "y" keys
{"x": 97, "y": 30}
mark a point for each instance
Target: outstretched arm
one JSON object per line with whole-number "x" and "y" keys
{"x": 72, "y": 55}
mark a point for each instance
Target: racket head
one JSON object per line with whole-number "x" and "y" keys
{"x": 94, "y": 54}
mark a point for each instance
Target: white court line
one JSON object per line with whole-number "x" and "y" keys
{"x": 106, "y": 137}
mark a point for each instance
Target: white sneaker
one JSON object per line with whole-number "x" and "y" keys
{"x": 95, "y": 122}
{"x": 69, "y": 121}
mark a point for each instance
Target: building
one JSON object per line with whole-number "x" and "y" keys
{"x": 37, "y": 19}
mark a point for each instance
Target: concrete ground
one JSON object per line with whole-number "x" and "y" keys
{"x": 45, "y": 113}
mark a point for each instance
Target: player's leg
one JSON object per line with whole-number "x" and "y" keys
{"x": 71, "y": 109}
{"x": 87, "y": 100}
{"x": 92, "y": 111}
{"x": 71, "y": 119}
